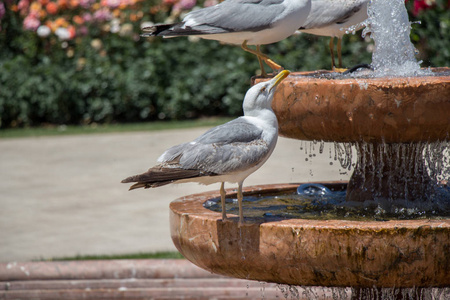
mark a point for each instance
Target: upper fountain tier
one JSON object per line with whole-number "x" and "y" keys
{"x": 389, "y": 109}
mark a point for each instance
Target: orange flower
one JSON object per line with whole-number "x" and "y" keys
{"x": 51, "y": 25}
{"x": 72, "y": 31}
{"x": 77, "y": 19}
{"x": 52, "y": 8}
{"x": 133, "y": 17}
{"x": 61, "y": 22}
{"x": 155, "y": 9}
{"x": 43, "y": 2}
{"x": 116, "y": 13}
{"x": 63, "y": 3}
{"x": 74, "y": 3}
{"x": 42, "y": 14}
{"x": 14, "y": 8}
{"x": 35, "y": 7}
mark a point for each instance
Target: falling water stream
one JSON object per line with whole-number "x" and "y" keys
{"x": 312, "y": 201}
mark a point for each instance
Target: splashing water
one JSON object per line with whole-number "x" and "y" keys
{"x": 313, "y": 189}
{"x": 318, "y": 293}
{"x": 389, "y": 27}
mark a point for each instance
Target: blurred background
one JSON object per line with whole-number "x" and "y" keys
{"x": 82, "y": 63}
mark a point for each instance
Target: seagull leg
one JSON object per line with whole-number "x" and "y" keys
{"x": 240, "y": 198}
{"x": 261, "y": 65}
{"x": 331, "y": 45}
{"x": 222, "y": 198}
{"x": 339, "y": 48}
{"x": 273, "y": 65}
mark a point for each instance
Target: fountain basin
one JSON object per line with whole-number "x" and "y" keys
{"x": 400, "y": 253}
{"x": 388, "y": 109}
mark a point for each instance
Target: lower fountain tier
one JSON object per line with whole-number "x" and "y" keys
{"x": 412, "y": 253}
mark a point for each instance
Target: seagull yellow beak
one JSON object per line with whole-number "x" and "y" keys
{"x": 279, "y": 78}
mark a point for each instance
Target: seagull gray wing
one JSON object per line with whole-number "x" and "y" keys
{"x": 237, "y": 130}
{"x": 229, "y": 16}
{"x": 231, "y": 147}
{"x": 327, "y": 12}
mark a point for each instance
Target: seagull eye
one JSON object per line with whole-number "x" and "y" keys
{"x": 263, "y": 89}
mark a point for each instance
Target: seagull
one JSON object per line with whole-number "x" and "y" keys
{"x": 226, "y": 153}
{"x": 242, "y": 22}
{"x": 332, "y": 18}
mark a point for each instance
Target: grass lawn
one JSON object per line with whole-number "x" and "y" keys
{"x": 156, "y": 255}
{"x": 52, "y": 130}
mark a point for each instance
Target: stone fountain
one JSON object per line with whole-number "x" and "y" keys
{"x": 391, "y": 121}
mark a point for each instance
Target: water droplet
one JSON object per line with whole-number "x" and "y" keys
{"x": 209, "y": 203}
{"x": 313, "y": 189}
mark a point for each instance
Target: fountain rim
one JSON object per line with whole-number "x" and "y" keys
{"x": 197, "y": 210}
{"x": 439, "y": 73}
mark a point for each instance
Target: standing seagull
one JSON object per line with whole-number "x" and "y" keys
{"x": 244, "y": 22}
{"x": 332, "y": 17}
{"x": 226, "y": 153}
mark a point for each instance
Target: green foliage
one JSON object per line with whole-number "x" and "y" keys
{"x": 94, "y": 128}
{"x": 157, "y": 255}
{"x": 107, "y": 78}
{"x": 432, "y": 36}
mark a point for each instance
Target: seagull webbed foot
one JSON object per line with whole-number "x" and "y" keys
{"x": 262, "y": 57}
{"x": 339, "y": 70}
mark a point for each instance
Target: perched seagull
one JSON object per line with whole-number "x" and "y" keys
{"x": 242, "y": 22}
{"x": 332, "y": 18}
{"x": 226, "y": 153}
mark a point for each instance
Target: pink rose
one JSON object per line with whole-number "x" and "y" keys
{"x": 210, "y": 3}
{"x": 87, "y": 17}
{"x": 113, "y": 3}
{"x": 31, "y": 22}
{"x": 184, "y": 4}
{"x": 102, "y": 15}
{"x": 2, "y": 10}
{"x": 23, "y": 5}
{"x": 85, "y": 3}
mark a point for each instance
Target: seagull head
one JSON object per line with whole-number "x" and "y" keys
{"x": 260, "y": 95}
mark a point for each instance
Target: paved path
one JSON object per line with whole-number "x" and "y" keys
{"x": 62, "y": 196}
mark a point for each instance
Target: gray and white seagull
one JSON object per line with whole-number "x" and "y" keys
{"x": 332, "y": 18}
{"x": 226, "y": 153}
{"x": 242, "y": 22}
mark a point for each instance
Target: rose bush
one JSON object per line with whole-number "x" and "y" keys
{"x": 83, "y": 61}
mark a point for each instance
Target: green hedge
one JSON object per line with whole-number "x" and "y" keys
{"x": 128, "y": 80}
